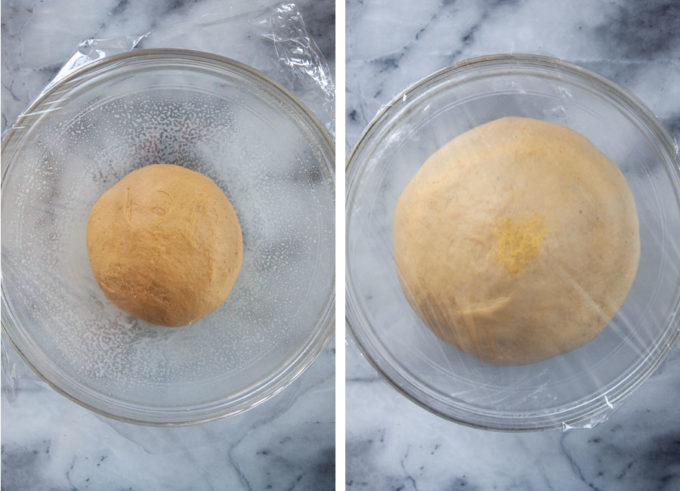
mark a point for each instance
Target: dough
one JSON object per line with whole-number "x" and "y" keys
{"x": 165, "y": 244}
{"x": 517, "y": 241}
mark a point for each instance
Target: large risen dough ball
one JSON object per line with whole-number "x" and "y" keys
{"x": 517, "y": 241}
{"x": 165, "y": 244}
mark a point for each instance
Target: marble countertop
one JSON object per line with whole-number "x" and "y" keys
{"x": 393, "y": 443}
{"x": 49, "y": 442}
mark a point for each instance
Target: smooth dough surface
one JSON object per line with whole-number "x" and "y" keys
{"x": 517, "y": 241}
{"x": 165, "y": 244}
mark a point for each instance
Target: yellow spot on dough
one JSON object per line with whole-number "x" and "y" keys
{"x": 518, "y": 242}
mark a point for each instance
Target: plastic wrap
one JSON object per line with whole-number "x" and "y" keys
{"x": 90, "y": 139}
{"x": 273, "y": 40}
{"x": 303, "y": 67}
{"x": 92, "y": 50}
{"x": 401, "y": 336}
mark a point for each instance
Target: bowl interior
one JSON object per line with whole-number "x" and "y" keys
{"x": 563, "y": 389}
{"x": 210, "y": 115}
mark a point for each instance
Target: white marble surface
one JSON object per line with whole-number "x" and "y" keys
{"x": 394, "y": 444}
{"x": 49, "y": 442}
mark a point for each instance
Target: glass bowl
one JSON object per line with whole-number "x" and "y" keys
{"x": 268, "y": 154}
{"x": 568, "y": 390}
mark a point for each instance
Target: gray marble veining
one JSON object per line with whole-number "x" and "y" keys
{"x": 393, "y": 443}
{"x": 49, "y": 442}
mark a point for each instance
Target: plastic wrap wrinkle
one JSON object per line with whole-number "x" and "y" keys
{"x": 285, "y": 27}
{"x": 591, "y": 422}
{"x": 94, "y": 49}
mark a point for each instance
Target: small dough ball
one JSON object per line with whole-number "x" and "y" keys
{"x": 517, "y": 241}
{"x": 165, "y": 244}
